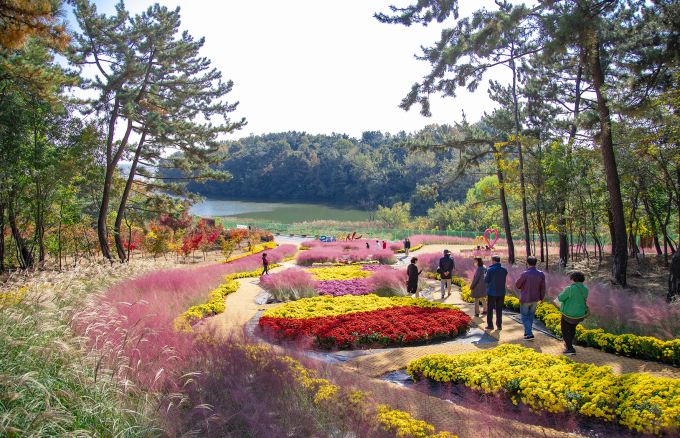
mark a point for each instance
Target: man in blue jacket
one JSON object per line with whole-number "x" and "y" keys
{"x": 495, "y": 292}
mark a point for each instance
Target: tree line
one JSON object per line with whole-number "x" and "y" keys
{"x": 296, "y": 166}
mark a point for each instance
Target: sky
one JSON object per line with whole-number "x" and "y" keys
{"x": 319, "y": 66}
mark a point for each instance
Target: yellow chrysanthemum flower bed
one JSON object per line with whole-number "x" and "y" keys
{"x": 626, "y": 345}
{"x": 415, "y": 248}
{"x": 339, "y": 273}
{"x": 332, "y": 306}
{"x": 254, "y": 250}
{"x": 342, "y": 402}
{"x": 216, "y": 304}
{"x": 556, "y": 384}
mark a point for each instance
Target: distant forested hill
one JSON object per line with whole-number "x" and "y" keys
{"x": 296, "y": 166}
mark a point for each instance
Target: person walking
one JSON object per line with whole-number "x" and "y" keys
{"x": 477, "y": 286}
{"x": 377, "y": 245}
{"x": 407, "y": 246}
{"x": 265, "y": 264}
{"x": 384, "y": 245}
{"x": 445, "y": 271}
{"x": 495, "y": 292}
{"x": 574, "y": 309}
{"x": 368, "y": 246}
{"x": 532, "y": 290}
{"x": 413, "y": 273}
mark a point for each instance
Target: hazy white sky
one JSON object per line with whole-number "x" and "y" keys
{"x": 320, "y": 66}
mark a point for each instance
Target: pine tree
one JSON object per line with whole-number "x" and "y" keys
{"x": 153, "y": 82}
{"x": 591, "y": 29}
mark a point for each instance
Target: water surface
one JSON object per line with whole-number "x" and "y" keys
{"x": 282, "y": 212}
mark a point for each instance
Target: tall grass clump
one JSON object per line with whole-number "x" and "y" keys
{"x": 291, "y": 284}
{"x": 51, "y": 384}
{"x": 388, "y": 283}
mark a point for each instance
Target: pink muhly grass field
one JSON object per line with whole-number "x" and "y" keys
{"x": 335, "y": 255}
{"x": 352, "y": 244}
{"x": 138, "y": 328}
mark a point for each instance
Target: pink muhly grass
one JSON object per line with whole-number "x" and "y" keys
{"x": 289, "y": 284}
{"x": 388, "y": 283}
{"x": 335, "y": 255}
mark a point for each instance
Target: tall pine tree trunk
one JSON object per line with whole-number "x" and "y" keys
{"x": 504, "y": 209}
{"x": 674, "y": 278}
{"x": 523, "y": 194}
{"x": 562, "y": 221}
{"x": 2, "y": 237}
{"x": 111, "y": 164}
{"x": 613, "y": 184}
{"x": 24, "y": 255}
{"x": 123, "y": 202}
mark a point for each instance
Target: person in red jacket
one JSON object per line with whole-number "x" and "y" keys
{"x": 265, "y": 264}
{"x": 384, "y": 245}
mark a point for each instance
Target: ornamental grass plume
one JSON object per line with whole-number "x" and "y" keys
{"x": 52, "y": 384}
{"x": 388, "y": 283}
{"x": 290, "y": 284}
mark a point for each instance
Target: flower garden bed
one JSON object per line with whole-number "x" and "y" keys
{"x": 641, "y": 347}
{"x": 350, "y": 321}
{"x": 556, "y": 384}
{"x": 335, "y": 280}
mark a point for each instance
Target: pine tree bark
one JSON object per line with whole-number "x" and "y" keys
{"x": 613, "y": 184}
{"x": 527, "y": 242}
{"x": 504, "y": 209}
{"x": 674, "y": 278}
{"x": 2, "y": 237}
{"x": 111, "y": 164}
{"x": 120, "y": 248}
{"x": 562, "y": 221}
{"x": 23, "y": 253}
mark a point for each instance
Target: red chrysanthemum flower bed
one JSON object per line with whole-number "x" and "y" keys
{"x": 394, "y": 325}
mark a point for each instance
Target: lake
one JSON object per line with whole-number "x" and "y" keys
{"x": 281, "y": 212}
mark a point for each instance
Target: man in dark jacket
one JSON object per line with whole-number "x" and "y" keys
{"x": 495, "y": 292}
{"x": 532, "y": 290}
{"x": 407, "y": 246}
{"x": 445, "y": 271}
